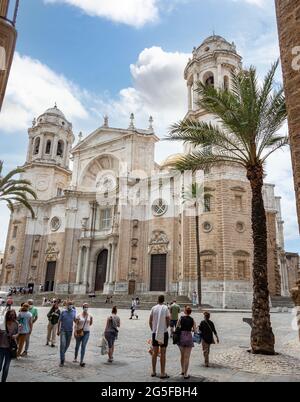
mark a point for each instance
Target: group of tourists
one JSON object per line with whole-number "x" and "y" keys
{"x": 64, "y": 322}
{"x": 183, "y": 331}
{"x": 21, "y": 290}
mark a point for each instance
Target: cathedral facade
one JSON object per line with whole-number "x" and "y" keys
{"x": 117, "y": 223}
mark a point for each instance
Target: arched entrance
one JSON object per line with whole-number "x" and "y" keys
{"x": 101, "y": 271}
{"x": 50, "y": 276}
{"x": 131, "y": 287}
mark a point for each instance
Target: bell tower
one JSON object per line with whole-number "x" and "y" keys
{"x": 212, "y": 64}
{"x": 48, "y": 156}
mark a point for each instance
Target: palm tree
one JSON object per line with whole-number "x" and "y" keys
{"x": 14, "y": 191}
{"x": 249, "y": 117}
{"x": 194, "y": 196}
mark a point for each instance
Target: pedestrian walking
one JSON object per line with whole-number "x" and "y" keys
{"x": 187, "y": 326}
{"x": 111, "y": 333}
{"x": 84, "y": 321}
{"x": 53, "y": 318}
{"x": 174, "y": 312}
{"x": 195, "y": 298}
{"x": 65, "y": 330}
{"x": 8, "y": 344}
{"x": 159, "y": 323}
{"x": 208, "y": 331}
{"x": 25, "y": 328}
{"x": 34, "y": 312}
{"x": 9, "y": 302}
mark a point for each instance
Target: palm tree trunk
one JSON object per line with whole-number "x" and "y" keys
{"x": 199, "y": 280}
{"x": 262, "y": 337}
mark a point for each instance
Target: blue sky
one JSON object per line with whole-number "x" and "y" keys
{"x": 94, "y": 57}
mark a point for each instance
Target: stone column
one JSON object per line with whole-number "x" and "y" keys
{"x": 111, "y": 277}
{"x": 108, "y": 264}
{"x": 219, "y": 81}
{"x": 86, "y": 266}
{"x": 42, "y": 144}
{"x": 91, "y": 277}
{"x": 78, "y": 277}
{"x": 190, "y": 99}
{"x": 54, "y": 147}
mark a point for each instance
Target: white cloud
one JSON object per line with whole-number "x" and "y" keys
{"x": 158, "y": 90}
{"x": 259, "y": 3}
{"x": 131, "y": 12}
{"x": 26, "y": 98}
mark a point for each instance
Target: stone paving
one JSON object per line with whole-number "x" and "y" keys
{"x": 230, "y": 360}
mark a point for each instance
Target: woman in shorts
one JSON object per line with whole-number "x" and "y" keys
{"x": 113, "y": 324}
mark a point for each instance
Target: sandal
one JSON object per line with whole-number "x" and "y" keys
{"x": 165, "y": 377}
{"x": 153, "y": 375}
{"x": 187, "y": 377}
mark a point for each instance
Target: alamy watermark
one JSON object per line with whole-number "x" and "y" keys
{"x": 296, "y": 59}
{"x": 2, "y": 59}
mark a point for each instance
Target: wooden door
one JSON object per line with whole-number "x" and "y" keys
{"x": 101, "y": 271}
{"x": 50, "y": 276}
{"x": 158, "y": 273}
{"x": 131, "y": 288}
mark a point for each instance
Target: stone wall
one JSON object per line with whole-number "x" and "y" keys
{"x": 288, "y": 16}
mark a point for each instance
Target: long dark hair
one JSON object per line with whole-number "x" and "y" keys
{"x": 11, "y": 316}
{"x": 114, "y": 310}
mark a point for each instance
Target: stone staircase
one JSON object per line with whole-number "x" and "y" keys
{"x": 282, "y": 302}
{"x": 147, "y": 301}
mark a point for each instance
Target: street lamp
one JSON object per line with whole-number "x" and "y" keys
{"x": 8, "y": 39}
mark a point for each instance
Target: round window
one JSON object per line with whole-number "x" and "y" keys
{"x": 159, "y": 207}
{"x": 207, "y": 227}
{"x": 55, "y": 224}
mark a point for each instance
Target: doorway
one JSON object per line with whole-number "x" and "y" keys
{"x": 158, "y": 273}
{"x": 50, "y": 276}
{"x": 131, "y": 287}
{"x": 101, "y": 271}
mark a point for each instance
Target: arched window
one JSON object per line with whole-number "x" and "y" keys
{"x": 207, "y": 203}
{"x": 48, "y": 147}
{"x": 209, "y": 79}
{"x": 36, "y": 148}
{"x": 60, "y": 149}
{"x": 226, "y": 83}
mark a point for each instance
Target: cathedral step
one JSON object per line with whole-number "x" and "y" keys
{"x": 122, "y": 301}
{"x": 282, "y": 302}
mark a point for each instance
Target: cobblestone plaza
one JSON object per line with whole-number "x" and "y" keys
{"x": 230, "y": 360}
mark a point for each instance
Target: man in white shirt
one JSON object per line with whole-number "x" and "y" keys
{"x": 159, "y": 323}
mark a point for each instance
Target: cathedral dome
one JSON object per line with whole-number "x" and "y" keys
{"x": 54, "y": 116}
{"x": 213, "y": 44}
{"x": 55, "y": 111}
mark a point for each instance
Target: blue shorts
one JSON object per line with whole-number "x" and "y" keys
{"x": 173, "y": 323}
{"x": 111, "y": 338}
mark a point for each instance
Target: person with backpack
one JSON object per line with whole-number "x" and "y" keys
{"x": 8, "y": 344}
{"x": 83, "y": 323}
{"x": 53, "y": 318}
{"x": 208, "y": 331}
{"x": 113, "y": 324}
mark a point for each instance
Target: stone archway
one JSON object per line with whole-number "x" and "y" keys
{"x": 101, "y": 270}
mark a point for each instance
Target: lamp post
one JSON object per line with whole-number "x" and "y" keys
{"x": 8, "y": 39}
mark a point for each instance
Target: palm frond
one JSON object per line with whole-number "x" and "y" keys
{"x": 203, "y": 159}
